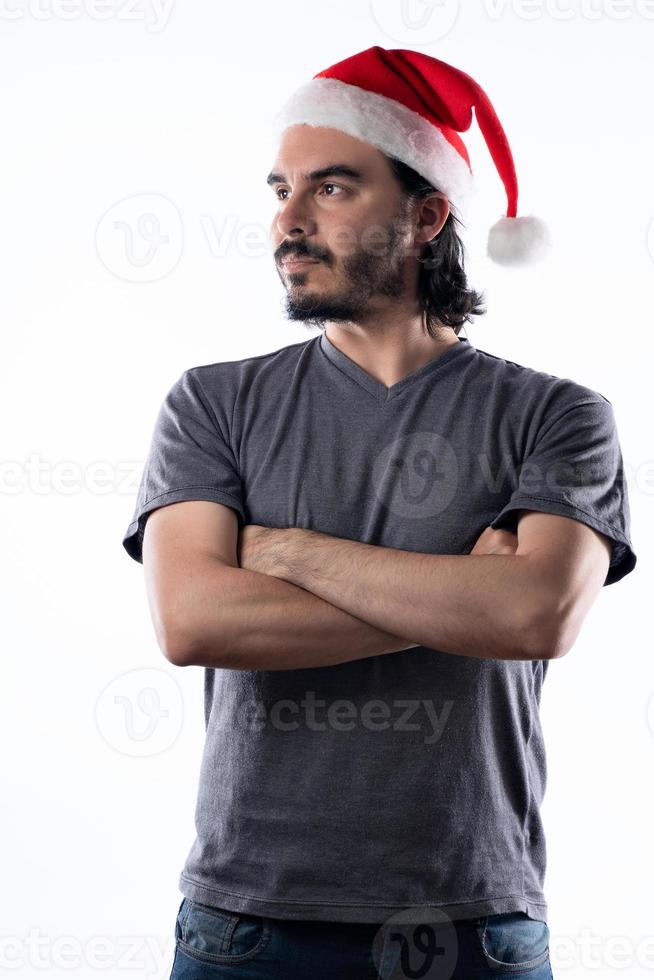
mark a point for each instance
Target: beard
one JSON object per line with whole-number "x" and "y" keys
{"x": 364, "y": 275}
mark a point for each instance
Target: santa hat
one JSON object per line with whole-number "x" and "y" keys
{"x": 412, "y": 107}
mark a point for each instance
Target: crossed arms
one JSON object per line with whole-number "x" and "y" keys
{"x": 277, "y": 599}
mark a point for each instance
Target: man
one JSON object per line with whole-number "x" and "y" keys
{"x": 374, "y": 542}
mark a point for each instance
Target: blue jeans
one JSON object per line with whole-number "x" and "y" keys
{"x": 214, "y": 944}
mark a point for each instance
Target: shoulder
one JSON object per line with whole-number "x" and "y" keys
{"x": 279, "y": 358}
{"x": 531, "y": 388}
{"x": 226, "y": 377}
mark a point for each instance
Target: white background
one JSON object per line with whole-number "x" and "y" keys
{"x": 102, "y": 309}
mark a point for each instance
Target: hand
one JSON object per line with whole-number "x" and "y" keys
{"x": 259, "y": 548}
{"x": 495, "y": 542}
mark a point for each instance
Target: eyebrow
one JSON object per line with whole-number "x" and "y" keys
{"x": 333, "y": 170}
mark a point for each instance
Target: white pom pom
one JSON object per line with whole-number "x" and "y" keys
{"x": 518, "y": 241}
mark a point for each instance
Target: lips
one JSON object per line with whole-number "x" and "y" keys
{"x": 291, "y": 261}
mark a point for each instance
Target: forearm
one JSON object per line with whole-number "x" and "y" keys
{"x": 246, "y": 620}
{"x": 472, "y": 605}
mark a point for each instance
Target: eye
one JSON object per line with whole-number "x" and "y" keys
{"x": 329, "y": 183}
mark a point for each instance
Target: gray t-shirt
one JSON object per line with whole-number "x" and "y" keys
{"x": 350, "y": 792}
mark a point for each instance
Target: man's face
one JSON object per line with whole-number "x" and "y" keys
{"x": 354, "y": 227}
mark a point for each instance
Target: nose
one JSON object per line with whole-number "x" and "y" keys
{"x": 294, "y": 218}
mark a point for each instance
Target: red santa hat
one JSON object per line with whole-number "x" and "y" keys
{"x": 413, "y": 107}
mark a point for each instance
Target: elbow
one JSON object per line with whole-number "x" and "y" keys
{"x": 180, "y": 647}
{"x": 176, "y": 652}
{"x": 187, "y": 649}
{"x": 178, "y": 658}
{"x": 189, "y": 639}
{"x": 537, "y": 642}
{"x": 173, "y": 637}
{"x": 547, "y": 648}
{"x": 546, "y": 636}
{"x": 194, "y": 623}
{"x": 561, "y": 642}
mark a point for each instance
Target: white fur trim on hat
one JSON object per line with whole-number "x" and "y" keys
{"x": 386, "y": 124}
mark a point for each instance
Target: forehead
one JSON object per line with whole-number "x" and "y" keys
{"x": 303, "y": 149}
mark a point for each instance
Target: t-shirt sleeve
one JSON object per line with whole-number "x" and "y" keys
{"x": 576, "y": 470}
{"x": 189, "y": 459}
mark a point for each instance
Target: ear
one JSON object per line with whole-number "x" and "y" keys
{"x": 432, "y": 214}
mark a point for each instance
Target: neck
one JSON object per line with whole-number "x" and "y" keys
{"x": 389, "y": 351}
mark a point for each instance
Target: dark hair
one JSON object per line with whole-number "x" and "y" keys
{"x": 443, "y": 289}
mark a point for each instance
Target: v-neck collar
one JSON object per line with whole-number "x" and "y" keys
{"x": 376, "y": 388}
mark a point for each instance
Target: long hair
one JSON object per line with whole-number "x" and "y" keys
{"x": 443, "y": 290}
